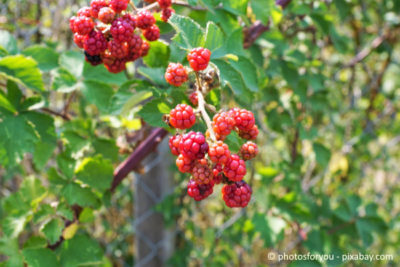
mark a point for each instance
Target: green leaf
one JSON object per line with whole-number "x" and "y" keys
{"x": 75, "y": 141}
{"x": 97, "y": 172}
{"x": 233, "y": 45}
{"x": 10, "y": 248}
{"x": 46, "y": 57}
{"x": 189, "y": 34}
{"x": 80, "y": 250}
{"x": 8, "y": 42}
{"x": 22, "y": 70}
{"x": 155, "y": 75}
{"x": 101, "y": 74}
{"x": 73, "y": 62}
{"x": 343, "y": 7}
{"x": 66, "y": 164}
{"x": 248, "y": 71}
{"x": 35, "y": 242}
{"x": 32, "y": 191}
{"x": 153, "y": 111}
{"x": 237, "y": 7}
{"x": 98, "y": 93}
{"x": 63, "y": 80}
{"x": 290, "y": 73}
{"x": 322, "y": 154}
{"x": 230, "y": 76}
{"x": 262, "y": 9}
{"x": 214, "y": 36}
{"x": 158, "y": 55}
{"x": 107, "y": 148}
{"x": 53, "y": 230}
{"x": 83, "y": 196}
{"x": 270, "y": 228}
{"x": 5, "y": 103}
{"x": 40, "y": 257}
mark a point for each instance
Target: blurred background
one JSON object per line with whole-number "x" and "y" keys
{"x": 327, "y": 178}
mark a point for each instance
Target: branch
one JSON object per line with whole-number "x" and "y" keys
{"x": 201, "y": 108}
{"x": 55, "y": 113}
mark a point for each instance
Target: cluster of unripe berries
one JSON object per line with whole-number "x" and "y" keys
{"x": 205, "y": 156}
{"x": 112, "y": 36}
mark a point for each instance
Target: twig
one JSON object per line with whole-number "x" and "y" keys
{"x": 68, "y": 104}
{"x": 201, "y": 108}
{"x": 55, "y": 113}
{"x": 293, "y": 147}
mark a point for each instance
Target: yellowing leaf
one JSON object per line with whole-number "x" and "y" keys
{"x": 70, "y": 231}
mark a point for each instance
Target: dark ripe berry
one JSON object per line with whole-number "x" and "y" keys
{"x": 84, "y": 11}
{"x": 96, "y": 5}
{"x": 202, "y": 173}
{"x": 145, "y": 49}
{"x": 118, "y": 50}
{"x": 164, "y": 3}
{"x": 130, "y": 19}
{"x": 194, "y": 99}
{"x": 249, "y": 134}
{"x": 219, "y": 152}
{"x": 174, "y": 144}
{"x": 176, "y": 74}
{"x": 193, "y": 145}
{"x": 199, "y": 192}
{"x": 95, "y": 43}
{"x": 119, "y": 5}
{"x": 93, "y": 60}
{"x": 121, "y": 30}
{"x": 218, "y": 173}
{"x": 223, "y": 123}
{"x": 184, "y": 164}
{"x": 149, "y": 1}
{"x": 236, "y": 195}
{"x": 106, "y": 15}
{"x": 145, "y": 20}
{"x": 81, "y": 25}
{"x": 198, "y": 58}
{"x": 248, "y": 151}
{"x": 78, "y": 39}
{"x": 152, "y": 34}
{"x": 117, "y": 66}
{"x": 182, "y": 117}
{"x": 244, "y": 119}
{"x": 166, "y": 14}
{"x": 235, "y": 168}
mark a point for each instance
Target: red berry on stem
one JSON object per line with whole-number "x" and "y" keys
{"x": 244, "y": 119}
{"x": 218, "y": 173}
{"x": 145, "y": 49}
{"x": 118, "y": 50}
{"x": 145, "y": 20}
{"x": 248, "y": 151}
{"x": 201, "y": 173}
{"x": 81, "y": 25}
{"x": 174, "y": 144}
{"x": 166, "y": 14}
{"x": 79, "y": 39}
{"x": 152, "y": 34}
{"x": 176, "y": 74}
{"x": 117, "y": 66}
{"x": 95, "y": 43}
{"x": 193, "y": 145}
{"x": 235, "y": 168}
{"x": 106, "y": 15}
{"x": 219, "y": 152}
{"x": 182, "y": 116}
{"x": 93, "y": 60}
{"x": 121, "y": 30}
{"x": 249, "y": 134}
{"x": 184, "y": 164}
{"x": 164, "y": 3}
{"x": 194, "y": 99}
{"x": 198, "y": 58}
{"x": 135, "y": 47}
{"x": 223, "y": 123}
{"x": 96, "y": 5}
{"x": 119, "y": 5}
{"x": 199, "y": 192}
{"x": 236, "y": 195}
{"x": 84, "y": 11}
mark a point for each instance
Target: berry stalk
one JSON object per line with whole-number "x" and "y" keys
{"x": 201, "y": 108}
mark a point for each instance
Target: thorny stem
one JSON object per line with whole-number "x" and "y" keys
{"x": 201, "y": 108}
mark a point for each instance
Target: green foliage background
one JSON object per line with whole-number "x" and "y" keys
{"x": 322, "y": 81}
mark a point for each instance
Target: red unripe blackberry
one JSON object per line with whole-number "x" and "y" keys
{"x": 108, "y": 59}
{"x": 135, "y": 45}
{"x": 164, "y": 3}
{"x": 244, "y": 119}
{"x": 96, "y": 5}
{"x": 130, "y": 19}
{"x": 193, "y": 145}
{"x": 145, "y": 20}
{"x": 149, "y": 1}
{"x": 184, "y": 164}
{"x": 202, "y": 173}
{"x": 81, "y": 25}
{"x": 117, "y": 66}
{"x": 118, "y": 50}
{"x": 145, "y": 49}
{"x": 176, "y": 74}
{"x": 166, "y": 14}
{"x": 219, "y": 152}
{"x": 198, "y": 58}
{"x": 199, "y": 192}
{"x": 106, "y": 15}
{"x": 182, "y": 117}
{"x": 119, "y": 5}
{"x": 194, "y": 99}
{"x": 121, "y": 30}
{"x": 95, "y": 43}
{"x": 218, "y": 173}
{"x": 152, "y": 34}
{"x": 236, "y": 195}
{"x": 78, "y": 39}
{"x": 248, "y": 151}
{"x": 235, "y": 168}
{"x": 93, "y": 60}
{"x": 249, "y": 134}
{"x": 84, "y": 11}
{"x": 223, "y": 123}
{"x": 174, "y": 144}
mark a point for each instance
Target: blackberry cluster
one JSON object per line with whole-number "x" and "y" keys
{"x": 205, "y": 156}
{"x": 111, "y": 35}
